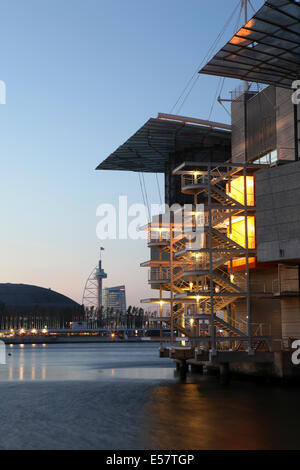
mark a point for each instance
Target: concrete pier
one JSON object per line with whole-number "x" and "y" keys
{"x": 264, "y": 366}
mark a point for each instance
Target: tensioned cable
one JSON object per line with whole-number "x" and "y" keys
{"x": 208, "y": 54}
{"x": 225, "y": 108}
{"x": 143, "y": 196}
{"x": 146, "y": 196}
{"x": 160, "y": 198}
{"x": 250, "y": 3}
{"x": 213, "y": 45}
{"x": 203, "y": 60}
{"x": 219, "y": 87}
{"x": 222, "y": 80}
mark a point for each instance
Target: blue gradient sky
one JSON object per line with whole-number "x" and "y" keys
{"x": 82, "y": 77}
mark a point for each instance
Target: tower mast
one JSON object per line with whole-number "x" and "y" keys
{"x": 100, "y": 275}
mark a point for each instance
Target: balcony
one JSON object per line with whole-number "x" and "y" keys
{"x": 159, "y": 275}
{"x": 158, "y": 238}
{"x": 193, "y": 183}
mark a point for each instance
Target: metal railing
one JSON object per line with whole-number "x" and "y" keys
{"x": 195, "y": 179}
{"x": 164, "y": 274}
{"x": 159, "y": 274}
{"x": 257, "y": 329}
{"x": 202, "y": 264}
{"x": 158, "y": 237}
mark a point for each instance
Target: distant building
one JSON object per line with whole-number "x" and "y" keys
{"x": 115, "y": 297}
{"x": 23, "y": 305}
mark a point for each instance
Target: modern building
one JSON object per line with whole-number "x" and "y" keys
{"x": 240, "y": 278}
{"x": 115, "y": 298}
{"x": 23, "y": 305}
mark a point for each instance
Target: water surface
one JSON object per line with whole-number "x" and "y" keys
{"x": 122, "y": 396}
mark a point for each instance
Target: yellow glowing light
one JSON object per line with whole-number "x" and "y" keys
{"x": 240, "y": 263}
{"x": 191, "y": 285}
{"x": 112, "y": 335}
{"x": 231, "y": 277}
{"x": 161, "y": 302}
{"x": 44, "y": 330}
{"x": 242, "y": 35}
{"x": 22, "y": 331}
{"x": 198, "y": 298}
{"x": 236, "y": 190}
{"x": 192, "y": 322}
{"x": 34, "y": 331}
{"x": 238, "y": 231}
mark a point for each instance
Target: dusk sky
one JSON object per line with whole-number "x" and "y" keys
{"x": 81, "y": 77}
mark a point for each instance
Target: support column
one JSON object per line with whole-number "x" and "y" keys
{"x": 212, "y": 316}
{"x": 172, "y": 282}
{"x": 250, "y": 351}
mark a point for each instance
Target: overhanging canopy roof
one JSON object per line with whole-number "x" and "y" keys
{"x": 149, "y": 148}
{"x": 266, "y": 49}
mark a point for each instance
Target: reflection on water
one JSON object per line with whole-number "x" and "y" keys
{"x": 202, "y": 420}
{"x": 125, "y": 397}
{"x": 24, "y": 363}
{"x": 208, "y": 416}
{"x": 158, "y": 373}
{"x": 83, "y": 362}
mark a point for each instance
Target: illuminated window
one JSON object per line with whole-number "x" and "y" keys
{"x": 268, "y": 158}
{"x": 236, "y": 190}
{"x": 238, "y": 234}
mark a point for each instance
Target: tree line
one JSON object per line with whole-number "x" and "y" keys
{"x": 53, "y": 318}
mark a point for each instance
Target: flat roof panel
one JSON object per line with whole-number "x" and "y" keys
{"x": 266, "y": 49}
{"x": 148, "y": 150}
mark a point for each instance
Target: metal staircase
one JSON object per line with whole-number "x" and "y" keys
{"x": 199, "y": 269}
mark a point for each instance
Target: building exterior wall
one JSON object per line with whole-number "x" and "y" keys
{"x": 290, "y": 313}
{"x": 285, "y": 124}
{"x": 265, "y": 311}
{"x": 264, "y": 122}
{"x": 238, "y": 146}
{"x": 278, "y": 213}
{"x": 261, "y": 123}
{"x": 297, "y": 129}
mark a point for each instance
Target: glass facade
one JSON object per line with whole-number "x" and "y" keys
{"x": 115, "y": 298}
{"x": 269, "y": 158}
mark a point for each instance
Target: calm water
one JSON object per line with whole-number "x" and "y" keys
{"x": 122, "y": 396}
